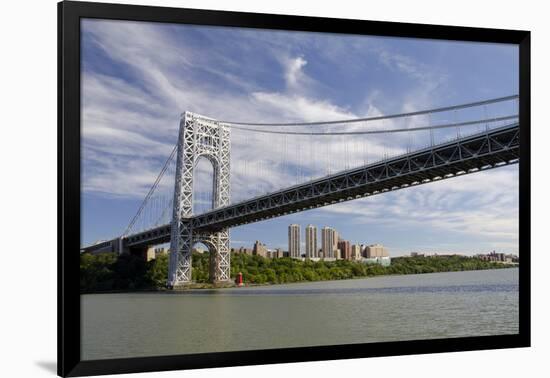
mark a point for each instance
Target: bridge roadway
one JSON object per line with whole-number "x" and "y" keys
{"x": 490, "y": 149}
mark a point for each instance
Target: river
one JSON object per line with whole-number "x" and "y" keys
{"x": 388, "y": 308}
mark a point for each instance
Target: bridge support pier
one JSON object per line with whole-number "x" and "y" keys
{"x": 120, "y": 247}
{"x": 220, "y": 264}
{"x": 199, "y": 137}
{"x": 180, "y": 269}
{"x": 147, "y": 252}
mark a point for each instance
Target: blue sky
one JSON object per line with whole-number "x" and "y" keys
{"x": 137, "y": 78}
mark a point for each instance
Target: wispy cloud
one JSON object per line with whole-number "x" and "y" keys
{"x": 148, "y": 74}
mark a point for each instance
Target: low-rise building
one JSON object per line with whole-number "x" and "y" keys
{"x": 376, "y": 250}
{"x": 246, "y": 251}
{"x": 499, "y": 257}
{"x": 278, "y": 253}
{"x": 383, "y": 260}
{"x": 161, "y": 251}
{"x": 259, "y": 249}
{"x": 355, "y": 253}
{"x": 345, "y": 249}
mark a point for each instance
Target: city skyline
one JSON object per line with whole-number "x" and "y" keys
{"x": 333, "y": 247}
{"x": 283, "y": 76}
{"x": 331, "y": 240}
{"x": 236, "y": 244}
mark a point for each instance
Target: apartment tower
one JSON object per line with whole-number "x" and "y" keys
{"x": 311, "y": 241}
{"x": 327, "y": 242}
{"x": 294, "y": 240}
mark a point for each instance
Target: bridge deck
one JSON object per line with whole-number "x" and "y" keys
{"x": 490, "y": 149}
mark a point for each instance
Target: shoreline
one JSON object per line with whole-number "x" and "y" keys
{"x": 197, "y": 286}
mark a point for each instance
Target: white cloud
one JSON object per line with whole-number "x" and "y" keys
{"x": 129, "y": 127}
{"x": 294, "y": 74}
{"x": 123, "y": 118}
{"x": 300, "y": 108}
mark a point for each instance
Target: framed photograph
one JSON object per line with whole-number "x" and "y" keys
{"x": 240, "y": 188}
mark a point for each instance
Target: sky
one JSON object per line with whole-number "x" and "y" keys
{"x": 138, "y": 78}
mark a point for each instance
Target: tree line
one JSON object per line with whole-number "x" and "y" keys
{"x": 256, "y": 269}
{"x": 110, "y": 272}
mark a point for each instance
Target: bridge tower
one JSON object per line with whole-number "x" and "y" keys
{"x": 199, "y": 137}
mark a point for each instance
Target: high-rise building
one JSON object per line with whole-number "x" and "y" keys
{"x": 345, "y": 249}
{"x": 311, "y": 241}
{"x": 327, "y": 242}
{"x": 376, "y": 250}
{"x": 294, "y": 240}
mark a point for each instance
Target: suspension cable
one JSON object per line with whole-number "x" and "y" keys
{"x": 151, "y": 190}
{"x": 385, "y": 131}
{"x": 355, "y": 120}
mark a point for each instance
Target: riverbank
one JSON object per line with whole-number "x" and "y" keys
{"x": 109, "y": 273}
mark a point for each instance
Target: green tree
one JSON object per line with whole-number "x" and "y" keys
{"x": 157, "y": 272}
{"x": 105, "y": 272}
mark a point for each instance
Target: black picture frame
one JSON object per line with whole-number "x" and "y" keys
{"x": 69, "y": 333}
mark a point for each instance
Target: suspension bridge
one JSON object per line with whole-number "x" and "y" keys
{"x": 257, "y": 171}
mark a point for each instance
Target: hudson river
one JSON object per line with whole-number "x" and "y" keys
{"x": 437, "y": 305}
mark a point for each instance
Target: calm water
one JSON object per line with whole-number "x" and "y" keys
{"x": 407, "y": 307}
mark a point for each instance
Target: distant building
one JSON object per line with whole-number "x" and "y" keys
{"x": 311, "y": 241}
{"x": 384, "y": 260}
{"x": 160, "y": 251}
{"x": 277, "y": 253}
{"x": 150, "y": 254}
{"x": 499, "y": 257}
{"x": 417, "y": 254}
{"x": 259, "y": 249}
{"x": 445, "y": 255}
{"x": 355, "y": 252}
{"x": 493, "y": 256}
{"x": 345, "y": 249}
{"x": 246, "y": 251}
{"x": 327, "y": 241}
{"x": 376, "y": 250}
{"x": 294, "y": 240}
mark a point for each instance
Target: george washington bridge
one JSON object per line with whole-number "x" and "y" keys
{"x": 250, "y": 172}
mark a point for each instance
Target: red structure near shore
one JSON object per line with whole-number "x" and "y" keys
{"x": 239, "y": 279}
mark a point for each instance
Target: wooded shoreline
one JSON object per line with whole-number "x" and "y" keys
{"x": 110, "y": 273}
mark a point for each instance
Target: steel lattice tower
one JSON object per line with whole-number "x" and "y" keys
{"x": 199, "y": 137}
